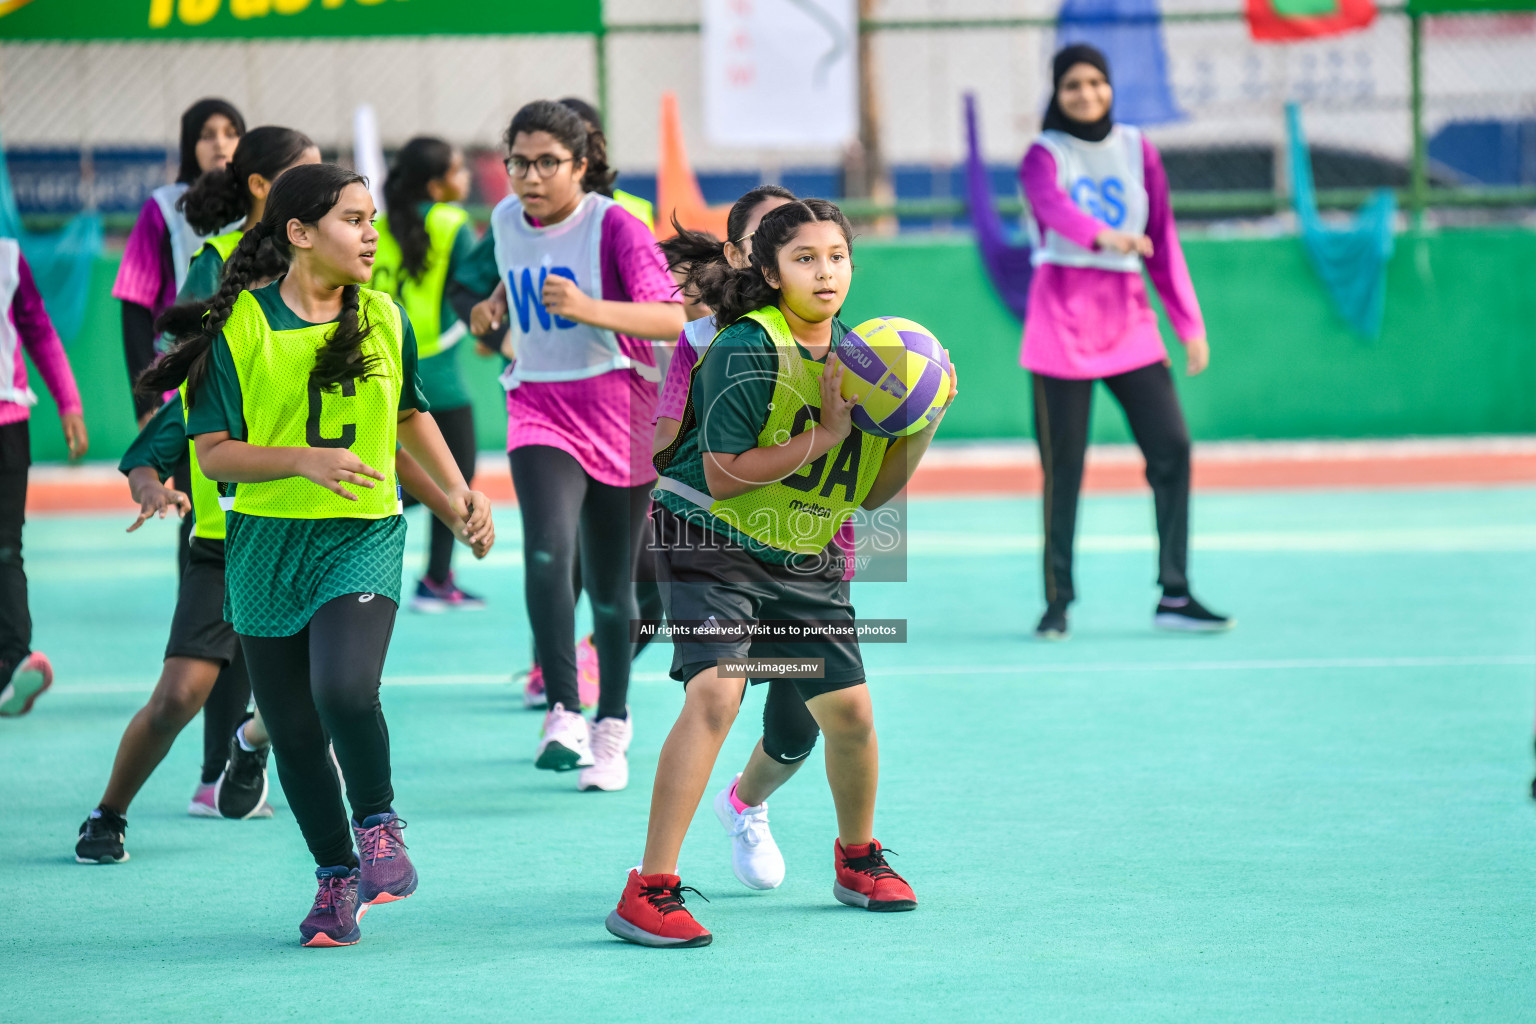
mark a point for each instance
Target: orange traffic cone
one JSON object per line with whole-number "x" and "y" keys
{"x": 677, "y": 189}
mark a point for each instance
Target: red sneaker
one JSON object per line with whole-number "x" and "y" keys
{"x": 651, "y": 913}
{"x": 865, "y": 880}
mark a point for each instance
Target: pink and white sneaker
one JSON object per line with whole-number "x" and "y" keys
{"x": 27, "y": 683}
{"x": 533, "y": 688}
{"x": 566, "y": 741}
{"x": 587, "y": 672}
{"x": 610, "y": 764}
{"x": 205, "y": 802}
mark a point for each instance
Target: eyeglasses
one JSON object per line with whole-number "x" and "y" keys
{"x": 546, "y": 165}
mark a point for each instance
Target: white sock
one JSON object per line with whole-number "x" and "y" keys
{"x": 244, "y": 743}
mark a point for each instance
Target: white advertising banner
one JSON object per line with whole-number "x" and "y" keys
{"x": 780, "y": 73}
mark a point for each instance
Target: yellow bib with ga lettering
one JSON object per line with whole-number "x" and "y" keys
{"x": 282, "y": 408}
{"x": 802, "y": 512}
{"x": 208, "y": 515}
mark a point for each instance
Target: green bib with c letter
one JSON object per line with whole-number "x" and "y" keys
{"x": 282, "y": 408}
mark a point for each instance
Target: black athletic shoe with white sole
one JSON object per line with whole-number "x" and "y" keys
{"x": 101, "y": 838}
{"x": 1186, "y": 615}
{"x": 241, "y": 789}
{"x": 1053, "y": 624}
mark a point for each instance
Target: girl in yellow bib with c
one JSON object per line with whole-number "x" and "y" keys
{"x": 297, "y": 395}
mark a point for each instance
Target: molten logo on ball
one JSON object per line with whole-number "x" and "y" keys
{"x": 897, "y": 372}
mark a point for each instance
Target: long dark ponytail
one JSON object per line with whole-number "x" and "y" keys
{"x": 224, "y": 196}
{"x": 733, "y": 293}
{"x": 305, "y": 194}
{"x": 420, "y": 162}
{"x": 584, "y": 139}
{"x": 695, "y": 248}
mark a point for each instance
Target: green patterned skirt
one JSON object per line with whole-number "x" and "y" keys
{"x": 278, "y": 572}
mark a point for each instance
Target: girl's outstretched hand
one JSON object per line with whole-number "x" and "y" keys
{"x": 160, "y": 500}
{"x": 333, "y": 467}
{"x": 74, "y": 434}
{"x": 836, "y": 411}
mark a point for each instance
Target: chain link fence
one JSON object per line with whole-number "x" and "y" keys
{"x": 94, "y": 124}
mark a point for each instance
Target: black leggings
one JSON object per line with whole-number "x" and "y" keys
{"x": 563, "y": 508}
{"x": 223, "y": 713}
{"x": 15, "y": 619}
{"x": 458, "y": 427}
{"x": 319, "y": 685}
{"x": 1151, "y": 407}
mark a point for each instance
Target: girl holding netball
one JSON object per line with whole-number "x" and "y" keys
{"x": 1099, "y": 210}
{"x": 298, "y": 393}
{"x": 423, "y": 237}
{"x": 584, "y": 294}
{"x": 787, "y": 726}
{"x": 766, "y": 432}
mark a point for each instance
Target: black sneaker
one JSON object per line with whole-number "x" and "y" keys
{"x": 241, "y": 789}
{"x": 101, "y": 838}
{"x": 1186, "y": 615}
{"x": 1053, "y": 624}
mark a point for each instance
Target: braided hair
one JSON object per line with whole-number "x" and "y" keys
{"x": 224, "y": 196}
{"x": 305, "y": 194}
{"x": 733, "y": 293}
{"x": 420, "y": 162}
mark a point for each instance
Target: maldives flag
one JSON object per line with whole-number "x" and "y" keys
{"x": 1280, "y": 21}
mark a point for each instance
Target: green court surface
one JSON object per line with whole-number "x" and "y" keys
{"x": 1323, "y": 815}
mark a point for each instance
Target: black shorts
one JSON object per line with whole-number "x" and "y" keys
{"x": 700, "y": 575}
{"x": 198, "y": 629}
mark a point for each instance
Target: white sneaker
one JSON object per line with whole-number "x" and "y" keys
{"x": 755, "y": 857}
{"x": 610, "y": 768}
{"x": 565, "y": 743}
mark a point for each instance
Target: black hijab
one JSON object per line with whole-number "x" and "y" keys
{"x": 192, "y": 122}
{"x": 1056, "y": 119}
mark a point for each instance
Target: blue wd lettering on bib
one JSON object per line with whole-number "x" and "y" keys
{"x": 528, "y": 300}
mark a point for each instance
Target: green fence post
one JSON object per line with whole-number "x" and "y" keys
{"x": 1418, "y": 181}
{"x": 600, "y": 52}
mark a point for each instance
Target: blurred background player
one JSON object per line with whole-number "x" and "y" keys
{"x": 1099, "y": 209}
{"x": 422, "y": 238}
{"x": 25, "y": 330}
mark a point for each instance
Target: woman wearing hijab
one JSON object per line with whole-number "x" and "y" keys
{"x": 1098, "y": 212}
{"x": 161, "y": 245}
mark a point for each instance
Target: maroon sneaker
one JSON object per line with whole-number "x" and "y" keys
{"x": 332, "y": 921}
{"x": 651, "y": 913}
{"x": 865, "y": 880}
{"x": 387, "y": 873}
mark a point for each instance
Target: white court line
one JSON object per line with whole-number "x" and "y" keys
{"x": 1048, "y": 668}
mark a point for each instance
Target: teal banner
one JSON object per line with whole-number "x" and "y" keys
{"x": 277, "y": 19}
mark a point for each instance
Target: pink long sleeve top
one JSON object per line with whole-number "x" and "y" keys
{"x": 146, "y": 276}
{"x": 41, "y": 342}
{"x": 1086, "y": 323}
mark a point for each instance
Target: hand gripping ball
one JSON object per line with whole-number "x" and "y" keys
{"x": 897, "y": 372}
